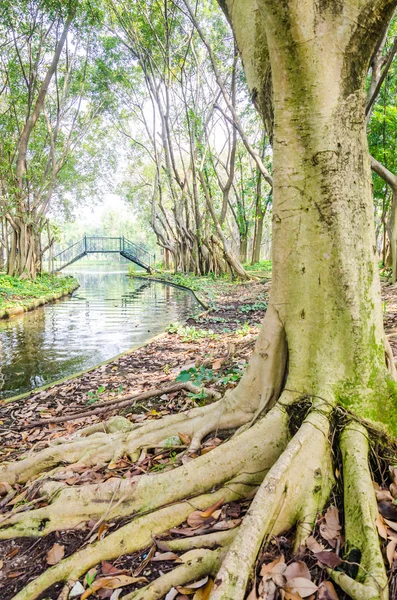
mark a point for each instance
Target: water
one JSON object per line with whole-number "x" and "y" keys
{"x": 109, "y": 314}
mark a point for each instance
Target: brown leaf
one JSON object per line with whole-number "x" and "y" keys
{"x": 12, "y": 553}
{"x": 108, "y": 569}
{"x": 276, "y": 566}
{"x": 302, "y": 586}
{"x": 291, "y": 596}
{"x": 216, "y": 365}
{"x": 252, "y": 595}
{"x": 267, "y": 589}
{"x": 326, "y": 591}
{"x": 185, "y": 439}
{"x": 166, "y": 556}
{"x": 102, "y": 530}
{"x": 55, "y": 554}
{"x": 330, "y": 529}
{"x": 391, "y": 524}
{"x": 111, "y": 583}
{"x": 314, "y": 545}
{"x": 330, "y": 559}
{"x": 393, "y": 490}
{"x": 211, "y": 509}
{"x": 195, "y": 519}
{"x": 297, "y": 569}
{"x": 4, "y": 488}
{"x": 391, "y": 551}
{"x": 381, "y": 527}
{"x": 383, "y": 495}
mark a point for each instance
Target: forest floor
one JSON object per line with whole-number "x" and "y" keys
{"x": 19, "y": 295}
{"x": 210, "y": 351}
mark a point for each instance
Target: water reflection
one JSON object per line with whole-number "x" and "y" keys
{"x": 107, "y": 315}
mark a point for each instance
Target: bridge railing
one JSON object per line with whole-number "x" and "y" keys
{"x": 103, "y": 244}
{"x": 138, "y": 252}
{"x": 93, "y": 244}
{"x": 69, "y": 255}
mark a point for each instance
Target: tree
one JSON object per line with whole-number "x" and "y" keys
{"x": 50, "y": 103}
{"x": 321, "y": 355}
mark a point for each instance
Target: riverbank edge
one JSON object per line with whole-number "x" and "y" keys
{"x": 177, "y": 285}
{"x": 81, "y": 373}
{"x": 19, "y": 309}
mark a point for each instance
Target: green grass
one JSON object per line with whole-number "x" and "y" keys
{"x": 21, "y": 292}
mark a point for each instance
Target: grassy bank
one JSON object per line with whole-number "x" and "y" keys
{"x": 208, "y": 288}
{"x": 20, "y": 295}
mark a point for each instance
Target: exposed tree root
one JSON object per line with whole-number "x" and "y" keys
{"x": 197, "y": 564}
{"x": 119, "y": 403}
{"x": 361, "y": 512}
{"x": 209, "y": 540}
{"x": 135, "y": 536}
{"x": 254, "y": 450}
{"x": 294, "y": 491}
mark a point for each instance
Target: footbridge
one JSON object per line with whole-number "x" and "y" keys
{"x": 95, "y": 244}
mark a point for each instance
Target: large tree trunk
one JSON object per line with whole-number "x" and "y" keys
{"x": 23, "y": 257}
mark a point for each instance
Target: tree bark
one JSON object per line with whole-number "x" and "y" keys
{"x": 325, "y": 285}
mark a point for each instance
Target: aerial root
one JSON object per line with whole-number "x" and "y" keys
{"x": 136, "y": 535}
{"x": 361, "y": 512}
{"x": 254, "y": 450}
{"x": 294, "y": 491}
{"x": 197, "y": 564}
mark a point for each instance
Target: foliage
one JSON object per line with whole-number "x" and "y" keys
{"x": 190, "y": 334}
{"x": 17, "y": 292}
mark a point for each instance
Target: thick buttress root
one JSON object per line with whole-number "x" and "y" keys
{"x": 293, "y": 492}
{"x": 136, "y": 535}
{"x": 257, "y": 391}
{"x": 361, "y": 512}
{"x": 252, "y": 451}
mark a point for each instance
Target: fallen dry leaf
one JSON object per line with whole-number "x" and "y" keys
{"x": 314, "y": 545}
{"x": 166, "y": 556}
{"x": 111, "y": 583}
{"x": 108, "y": 569}
{"x": 290, "y": 596}
{"x": 185, "y": 439}
{"x": 330, "y": 559}
{"x": 302, "y": 586}
{"x": 195, "y": 519}
{"x": 56, "y": 554}
{"x": 330, "y": 529}
{"x": 297, "y": 569}
{"x": 276, "y": 566}
{"x": 391, "y": 551}
{"x": 391, "y": 524}
{"x": 383, "y": 495}
{"x": 211, "y": 509}
{"x": 326, "y": 591}
{"x": 381, "y": 526}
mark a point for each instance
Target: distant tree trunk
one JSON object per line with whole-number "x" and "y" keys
{"x": 243, "y": 248}
{"x": 256, "y": 246}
